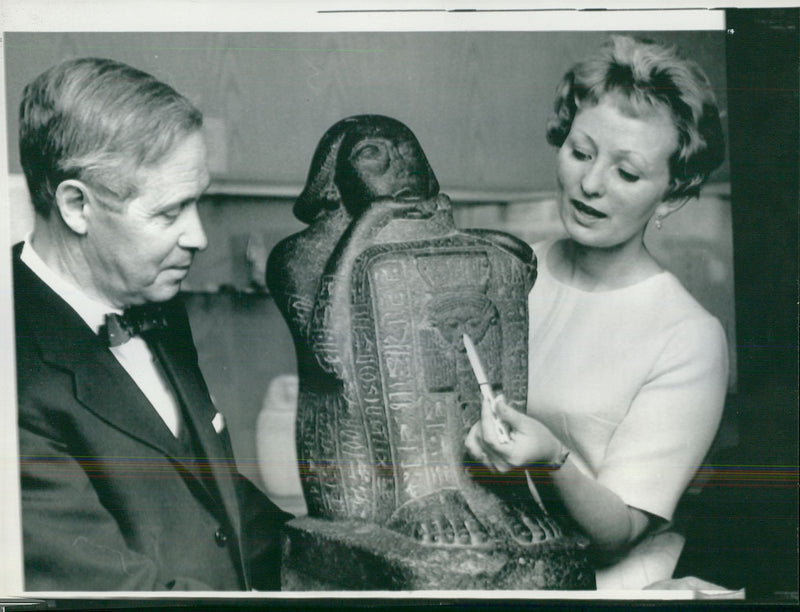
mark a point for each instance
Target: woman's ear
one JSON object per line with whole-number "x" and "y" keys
{"x": 667, "y": 207}
{"x": 72, "y": 199}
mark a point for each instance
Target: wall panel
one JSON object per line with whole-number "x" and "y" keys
{"x": 478, "y": 101}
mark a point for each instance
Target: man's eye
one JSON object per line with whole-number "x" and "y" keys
{"x": 171, "y": 214}
{"x": 628, "y": 176}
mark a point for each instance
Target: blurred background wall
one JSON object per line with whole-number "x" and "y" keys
{"x": 478, "y": 101}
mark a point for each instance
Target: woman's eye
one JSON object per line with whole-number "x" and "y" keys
{"x": 628, "y": 176}
{"x": 579, "y": 155}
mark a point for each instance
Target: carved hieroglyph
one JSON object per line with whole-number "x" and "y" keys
{"x": 377, "y": 292}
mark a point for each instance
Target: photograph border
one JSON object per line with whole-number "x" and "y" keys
{"x": 758, "y": 352}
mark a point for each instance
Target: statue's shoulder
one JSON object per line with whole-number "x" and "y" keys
{"x": 279, "y": 263}
{"x": 282, "y": 251}
{"x": 505, "y": 241}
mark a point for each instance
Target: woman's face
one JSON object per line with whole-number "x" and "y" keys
{"x": 613, "y": 173}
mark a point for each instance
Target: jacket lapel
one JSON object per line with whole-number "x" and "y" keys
{"x": 176, "y": 351}
{"x": 101, "y": 384}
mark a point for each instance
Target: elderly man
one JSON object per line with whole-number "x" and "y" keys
{"x": 127, "y": 472}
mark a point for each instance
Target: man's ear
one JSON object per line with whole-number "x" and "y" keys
{"x": 72, "y": 199}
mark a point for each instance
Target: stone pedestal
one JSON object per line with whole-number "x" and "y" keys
{"x": 322, "y": 555}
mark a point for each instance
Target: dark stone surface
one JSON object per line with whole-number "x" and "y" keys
{"x": 377, "y": 293}
{"x": 323, "y": 555}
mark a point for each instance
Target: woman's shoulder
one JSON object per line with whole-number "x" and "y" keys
{"x": 686, "y": 321}
{"x": 679, "y": 301}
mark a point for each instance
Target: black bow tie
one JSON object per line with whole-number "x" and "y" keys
{"x": 118, "y": 329}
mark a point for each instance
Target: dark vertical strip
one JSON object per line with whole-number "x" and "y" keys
{"x": 762, "y": 74}
{"x": 762, "y": 54}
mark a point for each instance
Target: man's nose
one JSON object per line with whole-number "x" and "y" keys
{"x": 593, "y": 179}
{"x": 193, "y": 236}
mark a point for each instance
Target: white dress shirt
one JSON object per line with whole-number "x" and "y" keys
{"x": 134, "y": 355}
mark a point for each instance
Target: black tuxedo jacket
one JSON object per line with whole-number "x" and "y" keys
{"x": 110, "y": 501}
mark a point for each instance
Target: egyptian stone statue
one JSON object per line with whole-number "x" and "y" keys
{"x": 378, "y": 292}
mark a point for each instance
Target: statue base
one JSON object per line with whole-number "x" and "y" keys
{"x": 322, "y": 555}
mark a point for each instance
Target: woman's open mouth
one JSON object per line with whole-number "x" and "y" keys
{"x": 588, "y": 210}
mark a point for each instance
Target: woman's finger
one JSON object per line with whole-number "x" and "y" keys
{"x": 508, "y": 414}
{"x": 497, "y": 460}
{"x": 476, "y": 448}
{"x": 473, "y": 443}
{"x": 489, "y": 424}
{"x": 495, "y": 431}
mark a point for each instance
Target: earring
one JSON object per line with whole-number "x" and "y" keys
{"x": 658, "y": 221}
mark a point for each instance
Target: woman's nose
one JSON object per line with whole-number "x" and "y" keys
{"x": 193, "y": 236}
{"x": 592, "y": 181}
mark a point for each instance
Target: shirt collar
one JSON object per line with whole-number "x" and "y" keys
{"x": 92, "y": 311}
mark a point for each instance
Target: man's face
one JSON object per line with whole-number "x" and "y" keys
{"x": 141, "y": 250}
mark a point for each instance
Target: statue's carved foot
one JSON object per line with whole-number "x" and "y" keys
{"x": 525, "y": 529}
{"x": 514, "y": 515}
{"x": 440, "y": 519}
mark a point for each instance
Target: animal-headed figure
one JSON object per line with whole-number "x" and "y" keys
{"x": 378, "y": 292}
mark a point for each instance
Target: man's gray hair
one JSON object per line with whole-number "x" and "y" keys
{"x": 97, "y": 120}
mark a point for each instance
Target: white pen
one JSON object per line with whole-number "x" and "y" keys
{"x": 486, "y": 388}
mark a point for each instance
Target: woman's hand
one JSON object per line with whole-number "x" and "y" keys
{"x": 530, "y": 441}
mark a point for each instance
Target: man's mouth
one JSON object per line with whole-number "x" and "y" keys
{"x": 181, "y": 268}
{"x": 588, "y": 210}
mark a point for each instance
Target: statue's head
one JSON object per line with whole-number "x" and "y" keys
{"x": 360, "y": 159}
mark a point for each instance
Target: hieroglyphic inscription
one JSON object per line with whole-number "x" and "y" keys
{"x": 333, "y": 458}
{"x": 395, "y": 337}
{"x": 299, "y": 309}
{"x": 355, "y": 469}
{"x": 370, "y": 397}
{"x": 510, "y": 282}
{"x": 308, "y": 404}
{"x": 328, "y": 467}
{"x": 410, "y": 395}
{"x": 323, "y": 328}
{"x": 442, "y": 457}
{"x": 440, "y": 366}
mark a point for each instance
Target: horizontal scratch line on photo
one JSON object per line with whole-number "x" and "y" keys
{"x": 226, "y": 48}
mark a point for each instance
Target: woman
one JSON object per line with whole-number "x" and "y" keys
{"x": 627, "y": 372}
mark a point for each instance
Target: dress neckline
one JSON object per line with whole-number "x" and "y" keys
{"x": 544, "y": 263}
